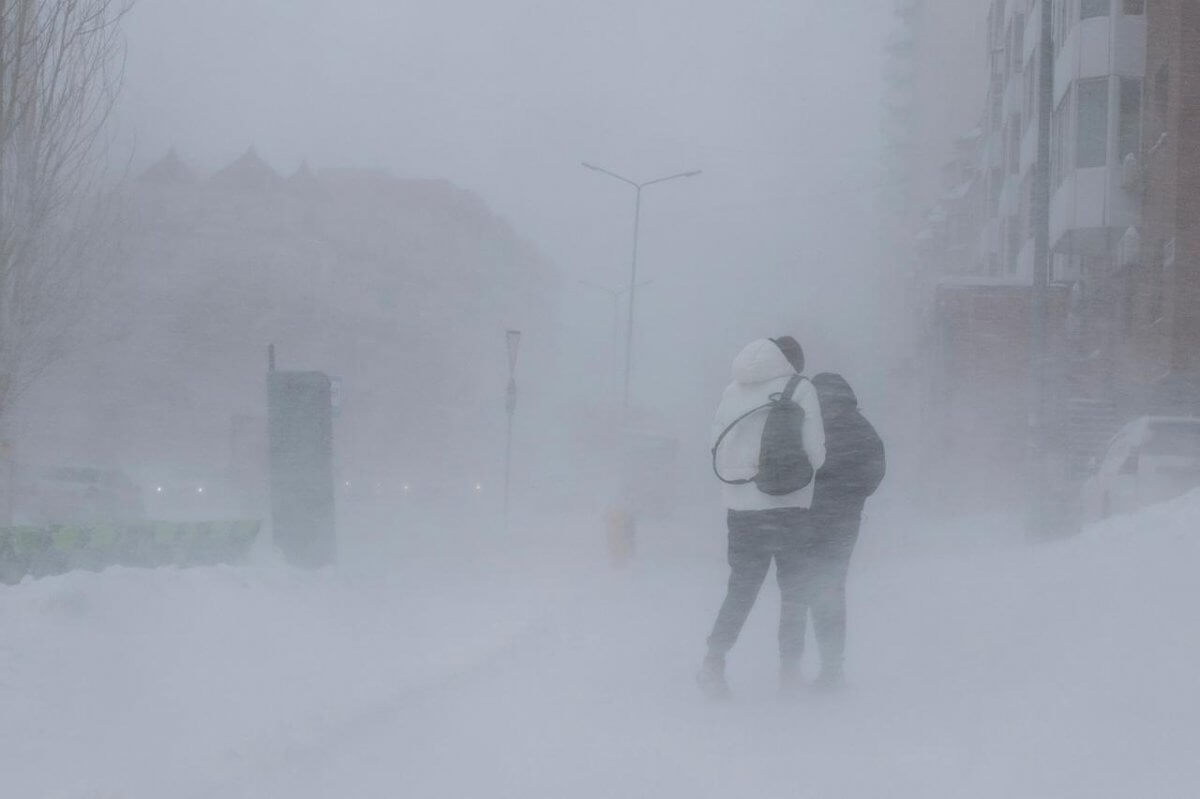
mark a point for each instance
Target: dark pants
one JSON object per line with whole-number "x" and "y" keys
{"x": 825, "y": 575}
{"x": 755, "y": 539}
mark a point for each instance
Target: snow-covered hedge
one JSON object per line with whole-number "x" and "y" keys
{"x": 42, "y": 551}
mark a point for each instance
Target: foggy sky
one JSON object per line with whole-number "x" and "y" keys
{"x": 776, "y": 101}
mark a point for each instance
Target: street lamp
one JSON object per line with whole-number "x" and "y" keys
{"x": 633, "y": 283}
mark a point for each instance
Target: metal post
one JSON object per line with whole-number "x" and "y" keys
{"x": 1039, "y": 344}
{"x": 616, "y": 340}
{"x": 637, "y": 223}
{"x": 513, "y": 339}
{"x": 512, "y": 409}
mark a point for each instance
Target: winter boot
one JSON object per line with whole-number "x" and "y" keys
{"x": 831, "y": 680}
{"x": 711, "y": 678}
{"x": 791, "y": 677}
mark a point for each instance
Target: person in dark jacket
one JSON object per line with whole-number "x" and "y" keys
{"x": 854, "y": 467}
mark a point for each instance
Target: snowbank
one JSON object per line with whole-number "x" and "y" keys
{"x": 153, "y": 683}
{"x": 992, "y": 672}
{"x": 1171, "y": 523}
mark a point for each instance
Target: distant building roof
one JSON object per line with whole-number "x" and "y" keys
{"x": 170, "y": 169}
{"x": 303, "y": 180}
{"x": 248, "y": 173}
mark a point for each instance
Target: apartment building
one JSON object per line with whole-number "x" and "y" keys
{"x": 1099, "y": 66}
{"x": 1160, "y": 315}
{"x": 1099, "y": 69}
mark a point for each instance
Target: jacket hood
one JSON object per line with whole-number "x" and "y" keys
{"x": 759, "y": 362}
{"x": 835, "y": 394}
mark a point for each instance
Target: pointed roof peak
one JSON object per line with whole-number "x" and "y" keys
{"x": 169, "y": 169}
{"x": 248, "y": 171}
{"x": 304, "y": 180}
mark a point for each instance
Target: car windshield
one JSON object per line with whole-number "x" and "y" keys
{"x": 1181, "y": 439}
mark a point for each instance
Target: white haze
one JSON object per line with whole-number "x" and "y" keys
{"x": 506, "y": 99}
{"x": 446, "y": 655}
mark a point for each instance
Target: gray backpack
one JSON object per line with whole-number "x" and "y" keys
{"x": 783, "y": 464}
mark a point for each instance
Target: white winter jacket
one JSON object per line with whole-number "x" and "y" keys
{"x": 758, "y": 372}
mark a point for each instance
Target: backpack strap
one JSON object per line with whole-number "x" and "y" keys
{"x": 788, "y": 392}
{"x": 721, "y": 439}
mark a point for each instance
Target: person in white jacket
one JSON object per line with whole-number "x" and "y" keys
{"x": 762, "y": 527}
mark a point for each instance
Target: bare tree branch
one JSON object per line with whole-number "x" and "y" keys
{"x": 61, "y": 70}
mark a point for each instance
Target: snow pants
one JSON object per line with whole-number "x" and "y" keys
{"x": 834, "y": 538}
{"x": 755, "y": 539}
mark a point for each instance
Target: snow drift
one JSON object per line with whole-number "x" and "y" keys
{"x": 1065, "y": 670}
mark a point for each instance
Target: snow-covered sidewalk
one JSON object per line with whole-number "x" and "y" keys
{"x": 1066, "y": 670}
{"x": 157, "y": 683}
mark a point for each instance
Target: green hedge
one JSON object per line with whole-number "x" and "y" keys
{"x": 42, "y": 551}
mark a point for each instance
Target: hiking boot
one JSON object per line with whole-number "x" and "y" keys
{"x": 711, "y": 678}
{"x": 791, "y": 678}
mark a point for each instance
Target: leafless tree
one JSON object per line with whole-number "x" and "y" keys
{"x": 61, "y": 69}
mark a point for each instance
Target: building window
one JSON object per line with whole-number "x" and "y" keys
{"x": 1093, "y": 8}
{"x": 1134, "y": 8}
{"x": 1130, "y": 140}
{"x": 1091, "y": 148}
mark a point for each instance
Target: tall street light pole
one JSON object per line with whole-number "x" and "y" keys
{"x": 633, "y": 273}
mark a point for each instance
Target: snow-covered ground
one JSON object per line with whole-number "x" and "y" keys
{"x": 527, "y": 669}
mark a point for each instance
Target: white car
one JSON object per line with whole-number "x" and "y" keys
{"x": 1152, "y": 460}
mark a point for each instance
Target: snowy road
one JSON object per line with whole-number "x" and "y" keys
{"x": 1062, "y": 671}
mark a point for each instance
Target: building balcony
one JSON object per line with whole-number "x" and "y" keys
{"x": 1098, "y": 47}
{"x": 1091, "y": 210}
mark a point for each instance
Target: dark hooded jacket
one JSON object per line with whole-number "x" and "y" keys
{"x": 854, "y": 462}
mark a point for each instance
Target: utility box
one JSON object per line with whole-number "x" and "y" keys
{"x": 300, "y": 433}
